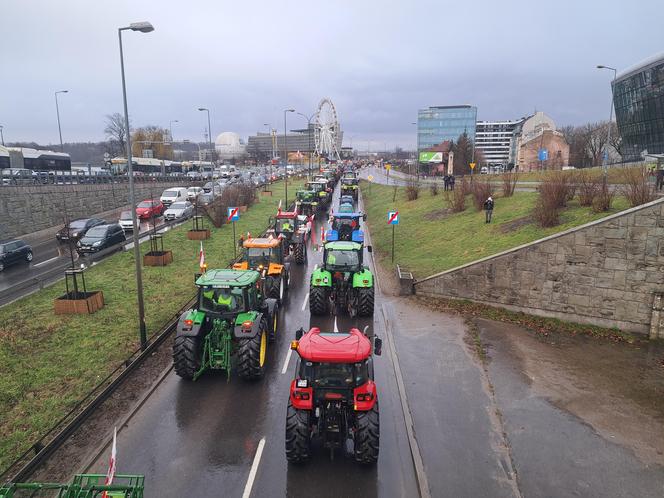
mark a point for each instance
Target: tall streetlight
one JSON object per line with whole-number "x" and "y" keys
{"x": 143, "y": 27}
{"x": 170, "y": 125}
{"x": 309, "y": 134}
{"x": 57, "y": 110}
{"x": 286, "y": 156}
{"x": 605, "y": 159}
{"x": 2, "y": 136}
{"x": 209, "y": 130}
{"x": 417, "y": 156}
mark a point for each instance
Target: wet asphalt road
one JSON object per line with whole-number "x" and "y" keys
{"x": 200, "y": 438}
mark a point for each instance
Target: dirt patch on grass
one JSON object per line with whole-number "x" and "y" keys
{"x": 514, "y": 225}
{"x": 438, "y": 214}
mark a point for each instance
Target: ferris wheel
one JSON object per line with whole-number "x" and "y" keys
{"x": 327, "y": 132}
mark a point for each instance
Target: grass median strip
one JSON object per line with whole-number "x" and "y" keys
{"x": 48, "y": 362}
{"x": 430, "y": 238}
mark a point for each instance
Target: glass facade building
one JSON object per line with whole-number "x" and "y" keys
{"x": 638, "y": 96}
{"x": 439, "y": 123}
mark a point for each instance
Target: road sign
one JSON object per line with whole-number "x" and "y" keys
{"x": 472, "y": 165}
{"x": 388, "y": 166}
{"x": 543, "y": 154}
{"x": 393, "y": 217}
{"x": 233, "y": 214}
{"x": 107, "y": 156}
{"x": 370, "y": 178}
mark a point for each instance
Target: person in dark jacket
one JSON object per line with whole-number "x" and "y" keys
{"x": 451, "y": 181}
{"x": 446, "y": 181}
{"x": 488, "y": 209}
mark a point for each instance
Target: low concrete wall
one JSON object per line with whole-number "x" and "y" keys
{"x": 30, "y": 209}
{"x": 608, "y": 273}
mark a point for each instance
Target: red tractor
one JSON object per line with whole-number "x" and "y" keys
{"x": 333, "y": 396}
{"x": 293, "y": 228}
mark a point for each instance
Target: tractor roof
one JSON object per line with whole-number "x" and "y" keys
{"x": 286, "y": 214}
{"x": 228, "y": 278}
{"x": 343, "y": 245}
{"x": 344, "y": 214}
{"x": 334, "y": 347}
{"x": 264, "y": 242}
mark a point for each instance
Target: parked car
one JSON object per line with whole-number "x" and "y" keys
{"x": 100, "y": 237}
{"x": 192, "y": 193}
{"x": 179, "y": 211}
{"x": 77, "y": 228}
{"x": 14, "y": 251}
{"x": 194, "y": 175}
{"x": 149, "y": 208}
{"x": 171, "y": 195}
{"x": 125, "y": 221}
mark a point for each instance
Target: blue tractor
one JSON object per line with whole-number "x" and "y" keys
{"x": 345, "y": 226}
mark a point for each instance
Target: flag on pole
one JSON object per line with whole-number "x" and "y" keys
{"x": 279, "y": 208}
{"x": 111, "y": 463}
{"x": 201, "y": 259}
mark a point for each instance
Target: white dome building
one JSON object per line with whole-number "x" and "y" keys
{"x": 229, "y": 146}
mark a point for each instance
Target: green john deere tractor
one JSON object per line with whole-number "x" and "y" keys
{"x": 342, "y": 281}
{"x": 232, "y": 317}
{"x": 307, "y": 202}
{"x": 322, "y": 191}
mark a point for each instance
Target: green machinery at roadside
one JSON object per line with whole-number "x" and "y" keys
{"x": 342, "y": 281}
{"x": 82, "y": 486}
{"x": 322, "y": 192}
{"x": 231, "y": 318}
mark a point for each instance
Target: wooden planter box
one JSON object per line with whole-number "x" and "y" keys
{"x": 243, "y": 209}
{"x": 87, "y": 304}
{"x": 198, "y": 234}
{"x": 158, "y": 258}
{"x": 266, "y": 192}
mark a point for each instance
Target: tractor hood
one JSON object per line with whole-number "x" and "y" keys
{"x": 334, "y": 347}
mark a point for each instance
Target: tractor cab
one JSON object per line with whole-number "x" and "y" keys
{"x": 324, "y": 178}
{"x": 293, "y": 229}
{"x": 346, "y": 199}
{"x": 266, "y": 255}
{"x": 349, "y": 186}
{"x": 286, "y": 223}
{"x": 334, "y": 393}
{"x": 306, "y": 202}
{"x": 227, "y": 293}
{"x": 345, "y": 226}
{"x": 322, "y": 191}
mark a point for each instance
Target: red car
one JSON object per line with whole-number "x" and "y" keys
{"x": 150, "y": 208}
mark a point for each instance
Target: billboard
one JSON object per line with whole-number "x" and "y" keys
{"x": 431, "y": 157}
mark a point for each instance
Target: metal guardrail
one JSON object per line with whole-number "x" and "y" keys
{"x": 62, "y": 430}
{"x": 83, "y": 178}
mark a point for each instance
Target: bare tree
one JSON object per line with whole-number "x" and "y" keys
{"x": 153, "y": 138}
{"x": 116, "y": 132}
{"x": 595, "y": 136}
{"x": 616, "y": 139}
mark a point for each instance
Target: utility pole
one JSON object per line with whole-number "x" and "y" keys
{"x": 605, "y": 159}
{"x": 286, "y": 158}
{"x": 57, "y": 110}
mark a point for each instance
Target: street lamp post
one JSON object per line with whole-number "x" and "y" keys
{"x": 170, "y": 125}
{"x": 605, "y": 159}
{"x": 57, "y": 111}
{"x": 309, "y": 135}
{"x": 2, "y": 136}
{"x": 417, "y": 158}
{"x": 209, "y": 130}
{"x": 143, "y": 27}
{"x": 286, "y": 156}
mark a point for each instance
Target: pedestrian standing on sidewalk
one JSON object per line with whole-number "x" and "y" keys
{"x": 446, "y": 182}
{"x": 451, "y": 181}
{"x": 488, "y": 209}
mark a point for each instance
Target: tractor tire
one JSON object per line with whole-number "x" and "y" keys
{"x": 298, "y": 435}
{"x": 273, "y": 287}
{"x": 250, "y": 366}
{"x": 367, "y": 436}
{"x": 318, "y": 304}
{"x": 274, "y": 323}
{"x": 187, "y": 356}
{"x": 300, "y": 253}
{"x": 365, "y": 301}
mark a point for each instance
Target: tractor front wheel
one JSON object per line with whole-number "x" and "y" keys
{"x": 274, "y": 318}
{"x": 367, "y": 436}
{"x": 298, "y": 435}
{"x": 365, "y": 301}
{"x": 252, "y": 354}
{"x": 187, "y": 356}
{"x": 318, "y": 301}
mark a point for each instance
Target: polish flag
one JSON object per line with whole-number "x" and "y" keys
{"x": 111, "y": 463}
{"x": 279, "y": 208}
{"x": 201, "y": 258}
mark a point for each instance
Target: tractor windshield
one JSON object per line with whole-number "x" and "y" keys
{"x": 349, "y": 181}
{"x": 228, "y": 300}
{"x": 352, "y": 223}
{"x": 257, "y": 256}
{"x": 285, "y": 225}
{"x": 341, "y": 260}
{"x": 332, "y": 375}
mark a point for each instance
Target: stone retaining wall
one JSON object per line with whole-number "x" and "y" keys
{"x": 609, "y": 273}
{"x": 30, "y": 209}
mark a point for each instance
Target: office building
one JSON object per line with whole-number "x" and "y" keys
{"x": 302, "y": 140}
{"x": 638, "y": 96}
{"x": 496, "y": 140}
{"x": 439, "y": 123}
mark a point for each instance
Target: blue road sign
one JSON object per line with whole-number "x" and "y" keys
{"x": 393, "y": 217}
{"x": 543, "y": 154}
{"x": 233, "y": 214}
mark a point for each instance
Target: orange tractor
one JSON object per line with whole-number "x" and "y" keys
{"x": 266, "y": 255}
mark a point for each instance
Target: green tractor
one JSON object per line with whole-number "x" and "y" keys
{"x": 342, "y": 281}
{"x": 306, "y": 202}
{"x": 232, "y": 317}
{"x": 350, "y": 186}
{"x": 322, "y": 191}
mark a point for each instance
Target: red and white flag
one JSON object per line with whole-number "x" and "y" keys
{"x": 201, "y": 258}
{"x": 112, "y": 462}
{"x": 279, "y": 208}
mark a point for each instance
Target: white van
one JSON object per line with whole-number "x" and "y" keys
{"x": 174, "y": 194}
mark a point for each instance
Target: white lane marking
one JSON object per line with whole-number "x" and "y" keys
{"x": 45, "y": 262}
{"x": 316, "y": 267}
{"x": 285, "y": 367}
{"x": 336, "y": 329}
{"x": 306, "y": 300}
{"x": 254, "y": 469}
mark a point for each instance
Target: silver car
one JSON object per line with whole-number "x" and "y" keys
{"x": 179, "y": 211}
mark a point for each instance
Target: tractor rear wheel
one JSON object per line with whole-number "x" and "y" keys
{"x": 298, "y": 435}
{"x": 274, "y": 326}
{"x": 252, "y": 354}
{"x": 300, "y": 253}
{"x": 367, "y": 436}
{"x": 365, "y": 301}
{"x": 273, "y": 286}
{"x": 317, "y": 301}
{"x": 187, "y": 356}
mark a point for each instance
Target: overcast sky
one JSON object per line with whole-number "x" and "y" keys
{"x": 378, "y": 61}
